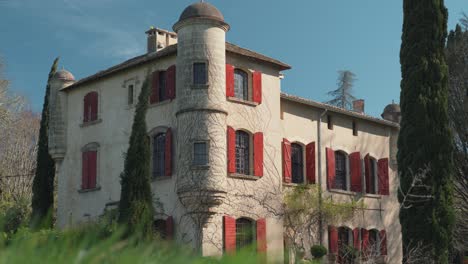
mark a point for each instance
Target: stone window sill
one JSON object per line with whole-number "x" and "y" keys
{"x": 350, "y": 193}
{"x": 200, "y": 86}
{"x": 200, "y": 167}
{"x": 161, "y": 178}
{"x": 241, "y": 101}
{"x": 90, "y": 123}
{"x": 167, "y": 101}
{"x": 243, "y": 176}
{"x": 371, "y": 195}
{"x": 290, "y": 184}
{"x": 97, "y": 188}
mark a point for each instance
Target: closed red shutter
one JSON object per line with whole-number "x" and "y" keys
{"x": 170, "y": 228}
{"x": 367, "y": 168}
{"x": 84, "y": 170}
{"x": 93, "y": 106}
{"x": 168, "y": 153}
{"x": 332, "y": 240}
{"x": 286, "y": 161}
{"x": 355, "y": 162}
{"x": 365, "y": 239}
{"x": 92, "y": 169}
{"x": 229, "y": 80}
{"x": 310, "y": 162}
{"x": 231, "y": 147}
{"x": 257, "y": 87}
{"x": 171, "y": 82}
{"x": 383, "y": 242}
{"x": 356, "y": 238}
{"x": 229, "y": 234}
{"x": 384, "y": 186}
{"x": 330, "y": 168}
{"x": 261, "y": 236}
{"x": 154, "y": 97}
{"x": 258, "y": 154}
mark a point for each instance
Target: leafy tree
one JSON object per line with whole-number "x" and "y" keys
{"x": 343, "y": 96}
{"x": 136, "y": 206}
{"x": 43, "y": 183}
{"x": 425, "y": 139}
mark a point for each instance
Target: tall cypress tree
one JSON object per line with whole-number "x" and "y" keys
{"x": 425, "y": 138}
{"x": 43, "y": 183}
{"x": 136, "y": 207}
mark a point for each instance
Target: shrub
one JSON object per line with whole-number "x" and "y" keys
{"x": 318, "y": 251}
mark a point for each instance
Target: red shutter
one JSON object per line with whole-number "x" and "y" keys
{"x": 86, "y": 106}
{"x": 229, "y": 234}
{"x": 356, "y": 238}
{"x": 332, "y": 240}
{"x": 171, "y": 82}
{"x": 154, "y": 97}
{"x": 261, "y": 235}
{"x": 365, "y": 239}
{"x": 330, "y": 168}
{"x": 383, "y": 242}
{"x": 231, "y": 147}
{"x": 286, "y": 161}
{"x": 168, "y": 153}
{"x": 92, "y": 168}
{"x": 384, "y": 187}
{"x": 93, "y": 105}
{"x": 169, "y": 228}
{"x": 310, "y": 162}
{"x": 367, "y": 167}
{"x": 258, "y": 154}
{"x": 355, "y": 162}
{"x": 257, "y": 87}
{"x": 84, "y": 170}
{"x": 229, "y": 80}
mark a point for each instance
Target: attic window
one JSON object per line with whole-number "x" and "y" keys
{"x": 355, "y": 130}
{"x": 329, "y": 122}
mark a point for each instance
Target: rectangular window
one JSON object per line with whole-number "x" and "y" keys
{"x": 130, "y": 94}
{"x": 355, "y": 130}
{"x": 329, "y": 122}
{"x": 200, "y": 153}
{"x": 199, "y": 73}
{"x": 162, "y": 86}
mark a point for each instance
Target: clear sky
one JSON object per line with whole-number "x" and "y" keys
{"x": 317, "y": 38}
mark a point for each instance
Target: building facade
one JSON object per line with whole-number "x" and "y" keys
{"x": 226, "y": 144}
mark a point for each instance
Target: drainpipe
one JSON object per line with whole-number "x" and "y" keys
{"x": 319, "y": 167}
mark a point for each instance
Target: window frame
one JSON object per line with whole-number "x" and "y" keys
{"x": 97, "y": 118}
{"x": 330, "y": 122}
{"x": 162, "y": 84}
{"x": 303, "y": 162}
{"x": 247, "y": 91}
{"x": 373, "y": 174}
{"x": 355, "y": 128}
{"x": 92, "y": 146}
{"x": 207, "y": 145}
{"x": 253, "y": 227}
{"x": 347, "y": 179}
{"x": 153, "y": 152}
{"x": 350, "y": 240}
{"x": 207, "y": 81}
{"x": 250, "y": 152}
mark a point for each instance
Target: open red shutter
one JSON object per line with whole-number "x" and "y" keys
{"x": 383, "y": 177}
{"x": 229, "y": 80}
{"x": 171, "y": 82}
{"x": 94, "y": 106}
{"x": 330, "y": 168}
{"x": 355, "y": 162}
{"x": 365, "y": 239}
{"x": 257, "y": 87}
{"x": 168, "y": 153}
{"x": 383, "y": 242}
{"x": 258, "y": 154}
{"x": 169, "y": 228}
{"x": 310, "y": 162}
{"x": 286, "y": 161}
{"x": 332, "y": 240}
{"x": 154, "y": 97}
{"x": 84, "y": 170}
{"x": 367, "y": 168}
{"x": 231, "y": 147}
{"x": 92, "y": 168}
{"x": 356, "y": 238}
{"x": 261, "y": 235}
{"x": 229, "y": 234}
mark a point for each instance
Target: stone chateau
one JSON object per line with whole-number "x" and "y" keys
{"x": 226, "y": 145}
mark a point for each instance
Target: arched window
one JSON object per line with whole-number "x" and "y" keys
{"x": 345, "y": 245}
{"x": 374, "y": 243}
{"x": 159, "y": 146}
{"x": 245, "y": 233}
{"x": 90, "y": 107}
{"x": 241, "y": 83}
{"x": 159, "y": 228}
{"x": 242, "y": 152}
{"x": 340, "y": 170}
{"x": 297, "y": 163}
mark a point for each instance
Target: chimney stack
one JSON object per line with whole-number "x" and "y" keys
{"x": 158, "y": 39}
{"x": 358, "y": 106}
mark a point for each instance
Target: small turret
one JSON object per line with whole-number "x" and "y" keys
{"x": 392, "y": 112}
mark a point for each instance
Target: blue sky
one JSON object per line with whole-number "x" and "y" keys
{"x": 317, "y": 38}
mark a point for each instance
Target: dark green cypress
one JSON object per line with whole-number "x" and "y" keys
{"x": 43, "y": 183}
{"x": 425, "y": 137}
{"x": 136, "y": 204}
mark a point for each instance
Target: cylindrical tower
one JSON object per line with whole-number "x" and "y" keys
{"x": 201, "y": 108}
